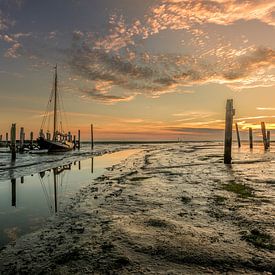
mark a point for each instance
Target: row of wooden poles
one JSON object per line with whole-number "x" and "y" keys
{"x": 230, "y": 112}
{"x": 30, "y": 144}
{"x": 265, "y": 133}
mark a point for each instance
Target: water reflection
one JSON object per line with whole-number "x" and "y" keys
{"x": 31, "y": 203}
{"x": 13, "y": 192}
{"x": 26, "y": 202}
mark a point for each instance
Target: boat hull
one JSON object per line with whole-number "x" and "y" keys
{"x": 54, "y": 146}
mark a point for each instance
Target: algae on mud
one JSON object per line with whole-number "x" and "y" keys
{"x": 241, "y": 190}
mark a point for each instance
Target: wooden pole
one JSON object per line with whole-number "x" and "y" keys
{"x": 230, "y": 112}
{"x": 13, "y": 142}
{"x": 78, "y": 139}
{"x": 92, "y": 137}
{"x": 21, "y": 144}
{"x": 268, "y": 138}
{"x": 7, "y": 139}
{"x": 74, "y": 142}
{"x": 31, "y": 140}
{"x": 250, "y": 138}
{"x": 238, "y": 135}
{"x": 264, "y": 135}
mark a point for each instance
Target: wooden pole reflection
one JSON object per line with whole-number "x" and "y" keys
{"x": 13, "y": 192}
{"x": 92, "y": 165}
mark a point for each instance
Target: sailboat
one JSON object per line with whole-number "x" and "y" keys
{"x": 60, "y": 141}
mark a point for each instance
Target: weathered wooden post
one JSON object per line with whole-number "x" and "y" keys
{"x": 268, "y": 138}
{"x": 13, "y": 142}
{"x": 21, "y": 140}
{"x": 250, "y": 138}
{"x": 78, "y": 139}
{"x": 92, "y": 137}
{"x": 1, "y": 138}
{"x": 238, "y": 135}
{"x": 74, "y": 142}
{"x": 7, "y": 139}
{"x": 264, "y": 136}
{"x": 230, "y": 112}
{"x": 31, "y": 140}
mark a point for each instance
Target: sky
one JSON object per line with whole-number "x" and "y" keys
{"x": 139, "y": 69}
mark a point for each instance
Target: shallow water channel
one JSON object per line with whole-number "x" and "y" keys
{"x": 26, "y": 202}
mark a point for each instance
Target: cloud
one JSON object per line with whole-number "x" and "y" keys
{"x": 105, "y": 98}
{"x": 14, "y": 51}
{"x": 156, "y": 74}
{"x": 193, "y": 115}
{"x": 265, "y": 109}
{"x": 5, "y": 22}
{"x": 118, "y": 56}
{"x": 184, "y": 14}
{"x": 196, "y": 131}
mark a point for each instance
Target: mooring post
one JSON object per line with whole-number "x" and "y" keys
{"x": 92, "y": 137}
{"x": 7, "y": 139}
{"x": 78, "y": 139}
{"x": 264, "y": 136}
{"x": 250, "y": 138}
{"x": 238, "y": 135}
{"x": 21, "y": 141}
{"x": 31, "y": 140}
{"x": 230, "y": 112}
{"x": 1, "y": 138}
{"x": 74, "y": 142}
{"x": 268, "y": 138}
{"x": 13, "y": 141}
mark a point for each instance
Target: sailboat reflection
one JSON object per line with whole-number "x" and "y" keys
{"x": 59, "y": 182}
{"x": 54, "y": 185}
{"x": 58, "y": 178}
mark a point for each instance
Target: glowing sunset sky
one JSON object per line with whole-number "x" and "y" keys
{"x": 139, "y": 69}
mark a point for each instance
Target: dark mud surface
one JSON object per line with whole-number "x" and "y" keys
{"x": 170, "y": 209}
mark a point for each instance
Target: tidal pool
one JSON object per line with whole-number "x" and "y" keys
{"x": 26, "y": 202}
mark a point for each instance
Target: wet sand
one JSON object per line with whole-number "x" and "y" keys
{"x": 170, "y": 209}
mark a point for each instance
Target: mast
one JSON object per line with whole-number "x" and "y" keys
{"x": 55, "y": 105}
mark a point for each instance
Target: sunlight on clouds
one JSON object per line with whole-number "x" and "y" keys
{"x": 165, "y": 49}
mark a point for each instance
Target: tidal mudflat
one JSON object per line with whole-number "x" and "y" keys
{"x": 166, "y": 209}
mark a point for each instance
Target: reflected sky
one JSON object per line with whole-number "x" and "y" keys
{"x": 26, "y": 202}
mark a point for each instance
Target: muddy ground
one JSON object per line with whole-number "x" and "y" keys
{"x": 170, "y": 209}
